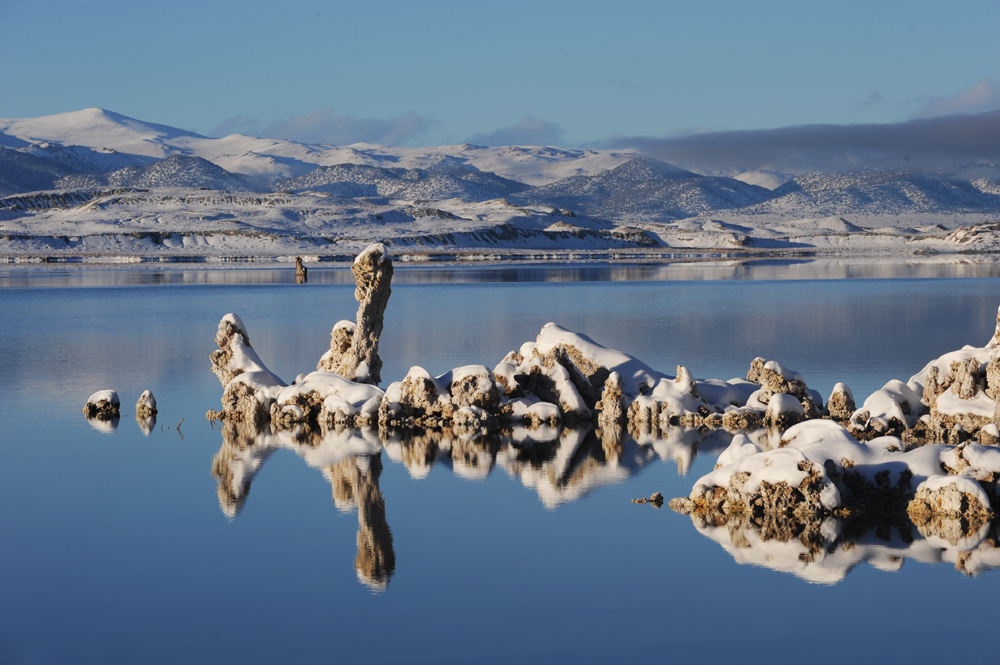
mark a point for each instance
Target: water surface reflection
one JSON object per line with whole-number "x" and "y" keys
{"x": 490, "y": 272}
{"x": 565, "y": 465}
{"x": 350, "y": 460}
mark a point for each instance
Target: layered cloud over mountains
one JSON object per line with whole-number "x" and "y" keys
{"x": 926, "y": 142}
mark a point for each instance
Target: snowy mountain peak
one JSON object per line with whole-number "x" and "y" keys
{"x": 98, "y": 128}
{"x": 647, "y": 168}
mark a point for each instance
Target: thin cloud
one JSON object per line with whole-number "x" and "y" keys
{"x": 238, "y": 124}
{"x": 983, "y": 96}
{"x": 874, "y": 99}
{"x": 931, "y": 141}
{"x": 530, "y": 131}
{"x": 325, "y": 126}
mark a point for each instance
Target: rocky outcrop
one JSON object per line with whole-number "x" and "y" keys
{"x": 841, "y": 404}
{"x": 301, "y": 272}
{"x": 959, "y": 392}
{"x": 467, "y": 394}
{"x": 611, "y": 406}
{"x": 226, "y": 361}
{"x": 360, "y": 361}
{"x": 341, "y": 338}
{"x": 776, "y": 379}
{"x": 783, "y": 411}
{"x": 953, "y": 508}
{"x": 146, "y": 406}
{"x": 102, "y": 405}
{"x": 779, "y": 482}
{"x": 888, "y": 411}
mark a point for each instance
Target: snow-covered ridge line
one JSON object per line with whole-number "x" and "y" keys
{"x": 621, "y": 188}
{"x": 289, "y": 223}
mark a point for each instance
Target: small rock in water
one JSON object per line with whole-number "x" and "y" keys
{"x": 103, "y": 405}
{"x": 146, "y": 406}
{"x": 301, "y": 272}
{"x": 656, "y": 499}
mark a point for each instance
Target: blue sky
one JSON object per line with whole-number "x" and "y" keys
{"x": 430, "y": 73}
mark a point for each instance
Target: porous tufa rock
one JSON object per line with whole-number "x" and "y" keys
{"x": 146, "y": 406}
{"x": 102, "y": 405}
{"x": 341, "y": 338}
{"x": 990, "y": 435}
{"x": 966, "y": 382}
{"x": 373, "y": 273}
{"x": 230, "y": 327}
{"x": 656, "y": 499}
{"x": 888, "y": 411}
{"x": 474, "y": 386}
{"x": 612, "y": 404}
{"x": 301, "y": 272}
{"x": 951, "y": 507}
{"x": 326, "y": 399}
{"x": 783, "y": 411}
{"x": 841, "y": 404}
{"x": 743, "y": 419}
{"x": 287, "y": 416}
{"x": 421, "y": 400}
{"x": 774, "y": 378}
{"x": 246, "y": 403}
{"x": 995, "y": 340}
{"x": 782, "y": 481}
{"x": 678, "y": 402}
{"x": 472, "y": 420}
{"x": 993, "y": 378}
{"x": 249, "y": 386}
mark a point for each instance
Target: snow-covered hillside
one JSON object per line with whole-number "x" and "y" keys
{"x": 174, "y": 171}
{"x": 646, "y": 189}
{"x": 99, "y": 182}
{"x": 103, "y": 130}
{"x": 436, "y": 182}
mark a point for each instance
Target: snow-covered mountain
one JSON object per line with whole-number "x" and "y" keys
{"x": 646, "y": 189}
{"x": 174, "y": 171}
{"x": 97, "y": 174}
{"x": 23, "y": 172}
{"x": 438, "y": 182}
{"x": 885, "y": 192}
{"x": 103, "y": 130}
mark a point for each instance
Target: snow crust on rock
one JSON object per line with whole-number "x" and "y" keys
{"x": 377, "y": 249}
{"x": 964, "y": 484}
{"x": 783, "y": 465}
{"x": 636, "y": 375}
{"x": 894, "y": 401}
{"x": 783, "y": 403}
{"x": 109, "y": 396}
{"x": 328, "y": 385}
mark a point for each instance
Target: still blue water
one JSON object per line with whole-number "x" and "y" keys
{"x": 115, "y": 547}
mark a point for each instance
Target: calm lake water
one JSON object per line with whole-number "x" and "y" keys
{"x": 117, "y": 548}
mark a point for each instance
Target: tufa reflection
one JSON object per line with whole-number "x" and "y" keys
{"x": 349, "y": 459}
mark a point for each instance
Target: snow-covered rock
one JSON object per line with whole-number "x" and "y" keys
{"x": 102, "y": 405}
